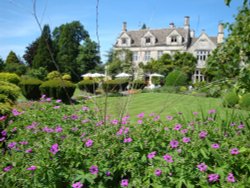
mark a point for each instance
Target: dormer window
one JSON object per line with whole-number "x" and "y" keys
{"x": 173, "y": 39}
{"x": 124, "y": 41}
{"x": 148, "y": 41}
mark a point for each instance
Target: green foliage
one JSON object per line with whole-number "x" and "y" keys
{"x": 10, "y": 90}
{"x": 30, "y": 88}
{"x": 88, "y": 58}
{"x": 9, "y": 77}
{"x": 123, "y": 150}
{"x": 176, "y": 78}
{"x": 1, "y": 64}
{"x": 39, "y": 73}
{"x": 88, "y": 85}
{"x": 115, "y": 85}
{"x": 68, "y": 38}
{"x": 5, "y": 108}
{"x": 53, "y": 75}
{"x": 44, "y": 51}
{"x": 14, "y": 65}
{"x": 58, "y": 89}
{"x": 245, "y": 102}
{"x": 230, "y": 99}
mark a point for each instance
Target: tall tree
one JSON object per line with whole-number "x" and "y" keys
{"x": 30, "y": 52}
{"x": 12, "y": 58}
{"x": 68, "y": 38}
{"x": 42, "y": 56}
{"x": 1, "y": 64}
{"x": 88, "y": 58}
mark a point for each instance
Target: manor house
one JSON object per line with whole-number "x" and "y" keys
{"x": 153, "y": 43}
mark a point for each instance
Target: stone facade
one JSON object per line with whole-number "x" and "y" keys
{"x": 146, "y": 44}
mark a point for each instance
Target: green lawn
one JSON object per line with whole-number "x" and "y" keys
{"x": 164, "y": 104}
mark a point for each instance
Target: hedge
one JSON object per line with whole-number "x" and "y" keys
{"x": 245, "y": 102}
{"x": 88, "y": 85}
{"x": 30, "y": 88}
{"x": 176, "y": 78}
{"x": 230, "y": 99}
{"x": 58, "y": 89}
{"x": 9, "y": 77}
{"x": 10, "y": 90}
{"x": 115, "y": 85}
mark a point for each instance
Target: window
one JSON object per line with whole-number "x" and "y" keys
{"x": 148, "y": 41}
{"x": 124, "y": 41}
{"x": 122, "y": 56}
{"x": 147, "y": 56}
{"x": 159, "y": 54}
{"x": 174, "y": 39}
{"x": 135, "y": 56}
{"x": 202, "y": 55}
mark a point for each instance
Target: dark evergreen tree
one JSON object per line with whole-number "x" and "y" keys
{"x": 14, "y": 64}
{"x": 143, "y": 26}
{"x": 12, "y": 58}
{"x": 1, "y": 64}
{"x": 30, "y": 52}
{"x": 44, "y": 51}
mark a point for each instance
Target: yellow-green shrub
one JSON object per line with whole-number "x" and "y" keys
{"x": 9, "y": 77}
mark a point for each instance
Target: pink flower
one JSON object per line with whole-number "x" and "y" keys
{"x": 93, "y": 169}
{"x": 139, "y": 121}
{"x": 152, "y": 155}
{"x": 124, "y": 183}
{"x": 230, "y": 178}
{"x": 158, "y": 172}
{"x": 212, "y": 111}
{"x": 241, "y": 126}
{"x": 89, "y": 143}
{"x": 213, "y": 178}
{"x": 23, "y": 142}
{"x": 56, "y": 107}
{"x": 203, "y": 134}
{"x": 168, "y": 158}
{"x": 215, "y": 146}
{"x": 184, "y": 131}
{"x": 85, "y": 108}
{"x": 186, "y": 140}
{"x": 77, "y": 185}
{"x": 202, "y": 167}
{"x": 12, "y": 145}
{"x": 234, "y": 151}
{"x": 127, "y": 140}
{"x": 169, "y": 118}
{"x": 31, "y": 168}
{"x": 174, "y": 143}
{"x": 16, "y": 113}
{"x": 7, "y": 168}
{"x": 54, "y": 149}
{"x": 2, "y": 118}
{"x": 195, "y": 113}
{"x": 177, "y": 127}
{"x": 141, "y": 115}
{"x": 58, "y": 100}
{"x": 28, "y": 151}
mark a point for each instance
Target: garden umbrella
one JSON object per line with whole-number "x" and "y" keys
{"x": 86, "y": 75}
{"x": 154, "y": 75}
{"x": 97, "y": 75}
{"x": 122, "y": 75}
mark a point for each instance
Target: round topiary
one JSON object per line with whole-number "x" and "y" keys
{"x": 88, "y": 85}
{"x": 53, "y": 75}
{"x": 230, "y": 99}
{"x": 30, "y": 88}
{"x": 66, "y": 77}
{"x": 58, "y": 89}
{"x": 245, "y": 102}
{"x": 176, "y": 78}
{"x": 10, "y": 90}
{"x": 9, "y": 77}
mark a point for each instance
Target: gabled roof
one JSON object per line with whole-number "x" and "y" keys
{"x": 160, "y": 35}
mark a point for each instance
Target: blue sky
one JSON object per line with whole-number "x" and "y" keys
{"x": 18, "y": 27}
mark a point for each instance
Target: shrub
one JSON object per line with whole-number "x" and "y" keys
{"x": 53, "y": 75}
{"x": 9, "y": 77}
{"x": 137, "y": 84}
{"x": 10, "y": 90}
{"x": 5, "y": 109}
{"x": 176, "y": 78}
{"x": 30, "y": 88}
{"x": 245, "y": 102}
{"x": 115, "y": 85}
{"x": 66, "y": 77}
{"x": 88, "y": 85}
{"x": 230, "y": 99}
{"x": 39, "y": 73}
{"x": 4, "y": 99}
{"x": 58, "y": 89}
{"x": 183, "y": 89}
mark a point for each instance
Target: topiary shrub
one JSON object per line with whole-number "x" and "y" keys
{"x": 230, "y": 99}
{"x": 88, "y": 85}
{"x": 53, "y": 75}
{"x": 5, "y": 109}
{"x": 58, "y": 89}
{"x": 176, "y": 78}
{"x": 66, "y": 77}
{"x": 9, "y": 77}
{"x": 30, "y": 88}
{"x": 115, "y": 85}
{"x": 10, "y": 90}
{"x": 137, "y": 84}
{"x": 245, "y": 102}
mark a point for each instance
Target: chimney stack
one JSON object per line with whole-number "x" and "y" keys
{"x": 192, "y": 33}
{"x": 220, "y": 36}
{"x": 186, "y": 22}
{"x": 124, "y": 26}
{"x": 171, "y": 25}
